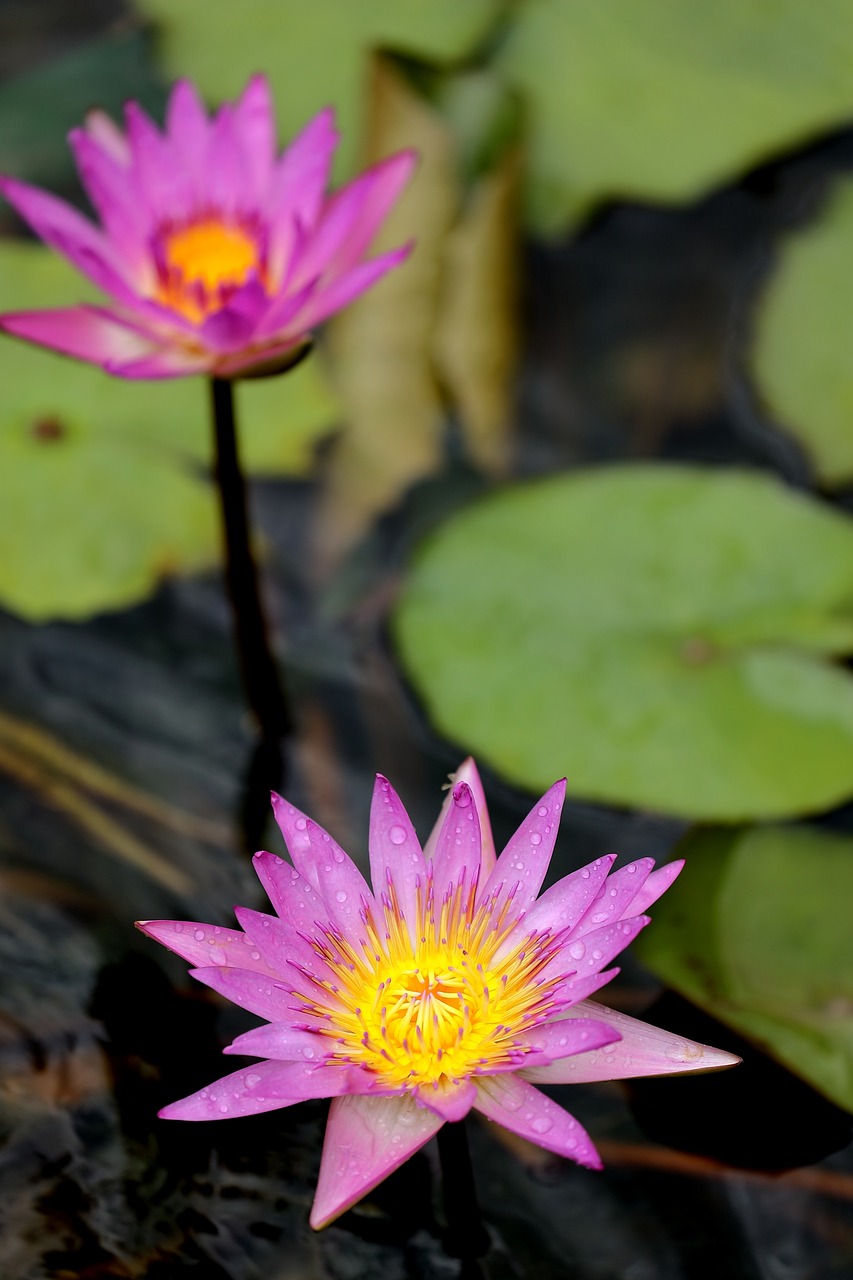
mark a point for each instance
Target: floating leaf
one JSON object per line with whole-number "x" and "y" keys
{"x": 661, "y": 99}
{"x": 757, "y": 931}
{"x": 804, "y": 336}
{"x": 655, "y": 633}
{"x": 315, "y": 54}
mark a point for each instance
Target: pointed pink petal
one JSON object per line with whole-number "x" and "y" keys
{"x": 228, "y": 179}
{"x": 282, "y": 946}
{"x": 297, "y": 187}
{"x": 467, "y": 773}
{"x": 163, "y": 184}
{"x": 657, "y": 884}
{"x": 395, "y": 853}
{"x": 326, "y": 301}
{"x": 325, "y": 865}
{"x": 290, "y": 893}
{"x": 561, "y": 906}
{"x": 643, "y": 1050}
{"x": 58, "y": 224}
{"x": 188, "y": 130}
{"x": 109, "y": 137}
{"x": 458, "y": 848}
{"x": 350, "y": 221}
{"x": 517, "y": 1106}
{"x": 575, "y": 989}
{"x": 366, "y": 1139}
{"x": 254, "y": 122}
{"x": 281, "y": 1042}
{"x": 206, "y": 944}
{"x": 82, "y": 332}
{"x": 269, "y": 998}
{"x": 595, "y": 950}
{"x": 243, "y": 1093}
{"x": 618, "y": 891}
{"x": 114, "y": 196}
{"x": 566, "y": 1036}
{"x": 451, "y": 1101}
{"x": 521, "y": 868}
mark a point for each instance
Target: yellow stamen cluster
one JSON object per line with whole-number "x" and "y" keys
{"x": 440, "y": 1003}
{"x": 203, "y": 260}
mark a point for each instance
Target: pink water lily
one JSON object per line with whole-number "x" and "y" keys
{"x": 218, "y": 256}
{"x": 451, "y": 985}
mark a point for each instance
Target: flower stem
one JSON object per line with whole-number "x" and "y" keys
{"x": 261, "y": 683}
{"x": 465, "y": 1236}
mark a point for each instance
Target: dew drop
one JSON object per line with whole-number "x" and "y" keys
{"x": 542, "y": 811}
{"x": 571, "y": 1143}
{"x": 199, "y": 935}
{"x": 585, "y": 873}
{"x": 179, "y": 928}
{"x": 542, "y": 1125}
{"x": 223, "y": 1107}
{"x": 255, "y": 955}
{"x": 519, "y": 866}
{"x": 300, "y": 824}
{"x": 596, "y": 955}
{"x": 599, "y": 917}
{"x": 608, "y": 1049}
{"x": 251, "y": 1080}
{"x": 511, "y": 1102}
{"x": 340, "y": 896}
{"x": 218, "y": 956}
{"x": 338, "y": 855}
{"x": 577, "y": 950}
{"x": 535, "y": 838}
{"x": 397, "y": 835}
{"x": 631, "y": 868}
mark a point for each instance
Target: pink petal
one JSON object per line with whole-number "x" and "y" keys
{"x": 521, "y": 868}
{"x": 366, "y": 1139}
{"x": 83, "y": 332}
{"x": 617, "y": 892}
{"x": 263, "y": 1086}
{"x": 164, "y": 186}
{"x": 268, "y": 998}
{"x": 561, "y": 906}
{"x": 350, "y": 221}
{"x": 595, "y": 950}
{"x": 657, "y": 884}
{"x": 60, "y": 226}
{"x": 232, "y": 328}
{"x": 456, "y": 859}
{"x": 188, "y": 131}
{"x": 575, "y": 989}
{"x": 274, "y": 357}
{"x": 114, "y": 197}
{"x": 450, "y": 1100}
{"x": 282, "y": 946}
{"x": 206, "y": 944}
{"x": 325, "y": 302}
{"x": 254, "y": 122}
{"x": 325, "y": 865}
{"x": 228, "y": 179}
{"x": 290, "y": 893}
{"x": 517, "y": 1106}
{"x": 109, "y": 137}
{"x": 243, "y": 1093}
{"x": 298, "y": 186}
{"x": 569, "y": 1035}
{"x": 467, "y": 772}
{"x": 396, "y": 857}
{"x": 281, "y": 1042}
{"x": 170, "y": 362}
{"x": 643, "y": 1050}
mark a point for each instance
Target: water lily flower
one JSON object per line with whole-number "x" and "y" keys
{"x": 218, "y": 256}
{"x": 450, "y": 985}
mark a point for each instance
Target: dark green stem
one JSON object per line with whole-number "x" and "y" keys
{"x": 258, "y": 670}
{"x": 465, "y": 1237}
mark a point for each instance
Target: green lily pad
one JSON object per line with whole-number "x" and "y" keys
{"x": 662, "y": 99}
{"x": 803, "y": 339}
{"x": 315, "y": 54}
{"x": 102, "y": 488}
{"x": 757, "y": 931}
{"x": 657, "y": 634}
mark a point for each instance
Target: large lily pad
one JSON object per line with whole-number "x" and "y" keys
{"x": 102, "y": 485}
{"x": 662, "y": 99}
{"x": 757, "y": 931}
{"x": 315, "y": 53}
{"x": 658, "y": 634}
{"x": 804, "y": 336}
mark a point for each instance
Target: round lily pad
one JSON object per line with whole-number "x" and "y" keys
{"x": 660, "y": 635}
{"x": 662, "y": 99}
{"x": 804, "y": 336}
{"x": 757, "y": 931}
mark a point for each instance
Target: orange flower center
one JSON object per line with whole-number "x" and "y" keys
{"x": 203, "y": 263}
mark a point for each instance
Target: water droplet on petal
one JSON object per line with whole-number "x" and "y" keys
{"x": 256, "y": 955}
{"x": 223, "y": 1107}
{"x": 542, "y": 811}
{"x": 631, "y": 868}
{"x": 340, "y": 896}
{"x": 218, "y": 956}
{"x": 599, "y": 917}
{"x": 535, "y": 838}
{"x": 596, "y": 955}
{"x": 577, "y": 950}
{"x": 397, "y": 835}
{"x": 179, "y": 928}
{"x": 338, "y": 855}
{"x": 542, "y": 1125}
{"x": 300, "y": 824}
{"x": 199, "y": 935}
{"x": 585, "y": 873}
{"x": 251, "y": 1080}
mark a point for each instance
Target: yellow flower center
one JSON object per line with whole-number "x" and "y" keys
{"x": 204, "y": 262}
{"x": 443, "y": 1008}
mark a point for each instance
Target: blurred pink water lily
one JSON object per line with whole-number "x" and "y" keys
{"x": 219, "y": 256}
{"x": 451, "y": 985}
